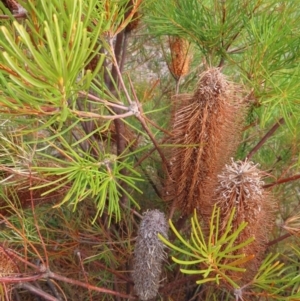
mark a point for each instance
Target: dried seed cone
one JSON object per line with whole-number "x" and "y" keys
{"x": 149, "y": 254}
{"x": 206, "y": 129}
{"x": 180, "y": 56}
{"x": 240, "y": 187}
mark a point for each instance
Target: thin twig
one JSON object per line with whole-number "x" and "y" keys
{"x": 143, "y": 158}
{"x": 107, "y": 117}
{"x": 88, "y": 286}
{"x": 83, "y": 272}
{"x": 265, "y": 138}
{"x": 116, "y": 65}
{"x": 140, "y": 116}
{"x": 51, "y": 275}
{"x": 124, "y": 52}
{"x": 37, "y": 291}
{"x": 132, "y": 211}
{"x": 46, "y": 262}
{"x": 108, "y": 103}
{"x": 54, "y": 289}
{"x": 285, "y": 180}
{"x": 278, "y": 239}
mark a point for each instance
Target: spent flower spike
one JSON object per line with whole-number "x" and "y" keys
{"x": 149, "y": 254}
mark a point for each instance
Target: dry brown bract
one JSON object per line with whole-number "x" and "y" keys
{"x": 206, "y": 130}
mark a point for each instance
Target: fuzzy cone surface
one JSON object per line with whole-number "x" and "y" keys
{"x": 149, "y": 254}
{"x": 241, "y": 187}
{"x": 206, "y": 130}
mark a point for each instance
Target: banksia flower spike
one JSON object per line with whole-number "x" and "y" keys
{"x": 149, "y": 254}
{"x": 180, "y": 56}
{"x": 206, "y": 128}
{"x": 241, "y": 187}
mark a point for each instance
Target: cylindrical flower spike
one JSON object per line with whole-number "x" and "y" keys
{"x": 180, "y": 56}
{"x": 149, "y": 254}
{"x": 241, "y": 187}
{"x": 206, "y": 131}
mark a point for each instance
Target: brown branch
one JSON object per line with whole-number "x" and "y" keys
{"x": 16, "y": 16}
{"x": 36, "y": 223}
{"x": 278, "y": 239}
{"x": 265, "y": 138}
{"x": 88, "y": 286}
{"x": 116, "y": 73}
{"x": 141, "y": 117}
{"x": 285, "y": 180}
{"x": 145, "y": 127}
{"x": 49, "y": 274}
{"x": 147, "y": 155}
{"x": 36, "y": 291}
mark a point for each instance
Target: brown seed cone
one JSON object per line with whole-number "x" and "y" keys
{"x": 240, "y": 187}
{"x": 206, "y": 130}
{"x": 180, "y": 56}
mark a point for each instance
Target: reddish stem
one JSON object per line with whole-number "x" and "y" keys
{"x": 278, "y": 239}
{"x": 265, "y": 138}
{"x": 88, "y": 286}
{"x": 285, "y": 180}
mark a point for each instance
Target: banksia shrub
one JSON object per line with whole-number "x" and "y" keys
{"x": 206, "y": 129}
{"x": 149, "y": 254}
{"x": 180, "y": 57}
{"x": 241, "y": 187}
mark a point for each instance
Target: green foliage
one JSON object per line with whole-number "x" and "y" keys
{"x": 215, "y": 253}
{"x": 45, "y": 76}
{"x": 45, "y": 64}
{"x": 258, "y": 40}
{"x": 85, "y": 110}
{"x": 214, "y": 256}
{"x": 90, "y": 178}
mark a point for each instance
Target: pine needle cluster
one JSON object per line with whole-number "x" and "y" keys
{"x": 206, "y": 128}
{"x": 149, "y": 254}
